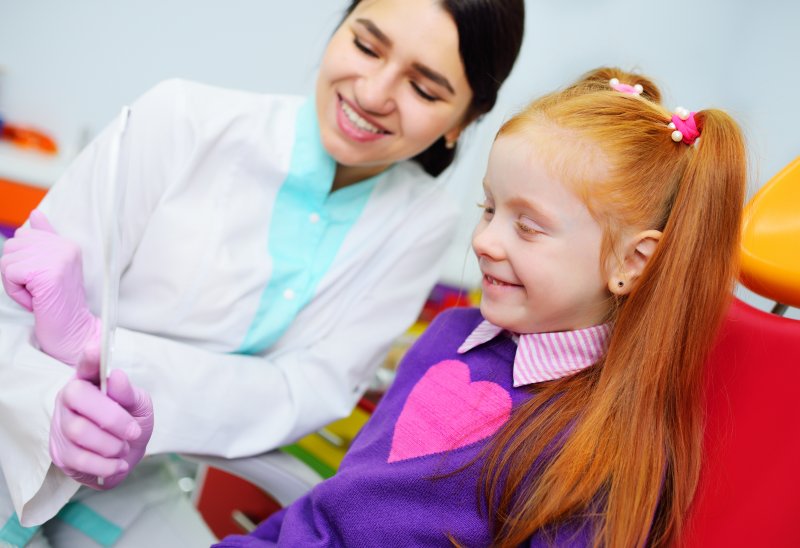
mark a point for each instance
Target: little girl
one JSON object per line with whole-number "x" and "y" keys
{"x": 568, "y": 410}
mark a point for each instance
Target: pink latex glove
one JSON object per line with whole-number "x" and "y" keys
{"x": 42, "y": 271}
{"x": 95, "y": 435}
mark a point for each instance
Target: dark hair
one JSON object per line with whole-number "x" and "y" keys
{"x": 489, "y": 37}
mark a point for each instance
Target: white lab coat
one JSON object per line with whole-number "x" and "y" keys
{"x": 204, "y": 168}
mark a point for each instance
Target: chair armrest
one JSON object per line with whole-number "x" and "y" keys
{"x": 281, "y": 475}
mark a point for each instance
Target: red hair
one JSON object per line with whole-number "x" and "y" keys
{"x": 620, "y": 442}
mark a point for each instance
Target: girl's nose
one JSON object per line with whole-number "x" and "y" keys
{"x": 375, "y": 91}
{"x": 487, "y": 242}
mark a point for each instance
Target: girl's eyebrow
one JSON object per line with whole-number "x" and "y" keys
{"x": 541, "y": 216}
{"x": 518, "y": 202}
{"x": 424, "y": 70}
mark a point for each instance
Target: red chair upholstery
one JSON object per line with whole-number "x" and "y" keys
{"x": 749, "y": 492}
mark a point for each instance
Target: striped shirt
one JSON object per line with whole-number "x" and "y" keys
{"x": 546, "y": 356}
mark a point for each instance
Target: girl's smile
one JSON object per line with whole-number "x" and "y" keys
{"x": 495, "y": 282}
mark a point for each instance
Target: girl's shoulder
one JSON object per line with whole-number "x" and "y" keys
{"x": 456, "y": 323}
{"x": 443, "y": 336}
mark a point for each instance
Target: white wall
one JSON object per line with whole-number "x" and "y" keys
{"x": 68, "y": 66}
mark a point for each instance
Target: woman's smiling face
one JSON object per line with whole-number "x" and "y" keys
{"x": 537, "y": 244}
{"x": 391, "y": 83}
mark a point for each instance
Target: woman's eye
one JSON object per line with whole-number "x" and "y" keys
{"x": 364, "y": 49}
{"x": 424, "y": 94}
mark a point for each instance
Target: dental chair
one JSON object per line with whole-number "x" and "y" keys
{"x": 749, "y": 490}
{"x": 233, "y": 495}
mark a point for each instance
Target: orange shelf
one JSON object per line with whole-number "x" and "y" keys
{"x": 17, "y": 200}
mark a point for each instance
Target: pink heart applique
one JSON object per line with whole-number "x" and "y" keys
{"x": 445, "y": 411}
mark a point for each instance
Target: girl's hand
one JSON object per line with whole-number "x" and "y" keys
{"x": 42, "y": 271}
{"x": 93, "y": 435}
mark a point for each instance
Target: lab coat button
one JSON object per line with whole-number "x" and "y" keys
{"x": 314, "y": 218}
{"x": 288, "y": 294}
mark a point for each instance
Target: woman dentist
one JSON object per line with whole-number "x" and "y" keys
{"x": 272, "y": 247}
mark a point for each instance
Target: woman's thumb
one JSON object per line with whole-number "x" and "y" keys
{"x": 134, "y": 401}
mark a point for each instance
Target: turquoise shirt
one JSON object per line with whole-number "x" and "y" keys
{"x": 309, "y": 224}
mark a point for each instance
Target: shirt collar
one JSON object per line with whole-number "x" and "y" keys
{"x": 546, "y": 356}
{"x": 312, "y": 170}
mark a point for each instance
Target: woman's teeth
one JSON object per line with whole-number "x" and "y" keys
{"x": 357, "y": 120}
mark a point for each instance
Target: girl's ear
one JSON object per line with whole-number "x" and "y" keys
{"x": 637, "y": 252}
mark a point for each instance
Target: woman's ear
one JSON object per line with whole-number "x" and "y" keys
{"x": 451, "y": 137}
{"x": 636, "y": 254}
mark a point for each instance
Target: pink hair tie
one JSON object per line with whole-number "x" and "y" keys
{"x": 685, "y": 126}
{"x": 626, "y": 88}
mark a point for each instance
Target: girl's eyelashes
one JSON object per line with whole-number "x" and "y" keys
{"x": 527, "y": 229}
{"x": 524, "y": 225}
{"x": 487, "y": 209}
{"x": 363, "y": 47}
{"x": 528, "y": 226}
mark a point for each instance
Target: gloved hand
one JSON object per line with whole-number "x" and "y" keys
{"x": 95, "y": 435}
{"x": 42, "y": 271}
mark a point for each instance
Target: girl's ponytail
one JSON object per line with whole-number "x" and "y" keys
{"x": 667, "y": 325}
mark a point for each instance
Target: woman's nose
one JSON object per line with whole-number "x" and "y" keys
{"x": 375, "y": 92}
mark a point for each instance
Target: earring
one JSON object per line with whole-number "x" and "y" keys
{"x": 449, "y": 145}
{"x": 620, "y": 283}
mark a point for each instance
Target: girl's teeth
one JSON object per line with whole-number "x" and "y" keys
{"x": 357, "y": 120}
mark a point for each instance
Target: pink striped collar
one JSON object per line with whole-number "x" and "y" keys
{"x": 546, "y": 356}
